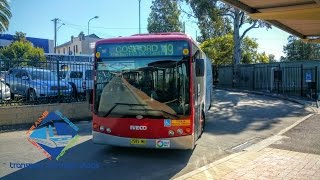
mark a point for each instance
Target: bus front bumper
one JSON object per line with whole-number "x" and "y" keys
{"x": 182, "y": 142}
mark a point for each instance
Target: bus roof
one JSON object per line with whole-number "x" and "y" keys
{"x": 153, "y": 37}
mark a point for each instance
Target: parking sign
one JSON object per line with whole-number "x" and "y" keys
{"x": 308, "y": 77}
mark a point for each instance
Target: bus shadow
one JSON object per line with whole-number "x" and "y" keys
{"x": 88, "y": 160}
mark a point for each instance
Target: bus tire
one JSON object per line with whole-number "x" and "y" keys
{"x": 210, "y": 100}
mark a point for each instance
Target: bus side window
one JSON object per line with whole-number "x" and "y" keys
{"x": 199, "y": 67}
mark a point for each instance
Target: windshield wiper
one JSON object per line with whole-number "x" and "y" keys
{"x": 165, "y": 112}
{"x": 125, "y": 104}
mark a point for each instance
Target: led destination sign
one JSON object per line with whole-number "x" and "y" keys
{"x": 177, "y": 48}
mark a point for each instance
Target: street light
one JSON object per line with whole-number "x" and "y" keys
{"x": 96, "y": 17}
{"x": 60, "y": 26}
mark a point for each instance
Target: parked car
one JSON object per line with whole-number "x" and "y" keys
{"x": 87, "y": 83}
{"x": 2, "y": 75}
{"x": 34, "y": 83}
{"x": 4, "y": 91}
{"x": 80, "y": 80}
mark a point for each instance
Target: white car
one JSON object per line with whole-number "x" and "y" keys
{"x": 2, "y": 75}
{"x": 80, "y": 79}
{"x": 4, "y": 91}
{"x": 87, "y": 84}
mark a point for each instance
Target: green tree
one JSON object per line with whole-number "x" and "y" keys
{"x": 5, "y": 15}
{"x": 220, "y": 50}
{"x": 262, "y": 58}
{"x": 22, "y": 53}
{"x": 230, "y": 16}
{"x": 297, "y": 50}
{"x": 249, "y": 51}
{"x": 164, "y": 17}
{"x": 210, "y": 23}
{"x": 20, "y": 36}
{"x": 272, "y": 58}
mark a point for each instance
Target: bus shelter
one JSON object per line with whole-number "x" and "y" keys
{"x": 297, "y": 17}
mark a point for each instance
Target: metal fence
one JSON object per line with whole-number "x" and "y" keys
{"x": 288, "y": 78}
{"x": 58, "y": 79}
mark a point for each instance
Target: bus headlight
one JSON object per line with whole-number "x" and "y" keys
{"x": 180, "y": 131}
{"x": 102, "y": 128}
{"x": 171, "y": 133}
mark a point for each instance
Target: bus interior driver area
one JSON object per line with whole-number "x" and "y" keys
{"x": 156, "y": 89}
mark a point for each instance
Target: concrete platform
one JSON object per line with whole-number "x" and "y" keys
{"x": 266, "y": 160}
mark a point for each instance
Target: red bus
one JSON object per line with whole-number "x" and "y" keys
{"x": 150, "y": 91}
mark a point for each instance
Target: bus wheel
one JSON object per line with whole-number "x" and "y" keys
{"x": 210, "y": 99}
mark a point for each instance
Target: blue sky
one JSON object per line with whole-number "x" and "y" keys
{"x": 116, "y": 18}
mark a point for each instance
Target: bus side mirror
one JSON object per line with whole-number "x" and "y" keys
{"x": 89, "y": 96}
{"x": 199, "y": 67}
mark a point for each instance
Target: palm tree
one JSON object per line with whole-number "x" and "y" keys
{"x": 5, "y": 15}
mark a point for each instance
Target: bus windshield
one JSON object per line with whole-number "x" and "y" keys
{"x": 148, "y": 87}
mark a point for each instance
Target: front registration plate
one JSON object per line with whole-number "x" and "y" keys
{"x": 138, "y": 141}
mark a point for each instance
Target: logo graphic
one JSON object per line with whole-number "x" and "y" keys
{"x": 167, "y": 123}
{"x": 162, "y": 143}
{"x": 142, "y": 128}
{"x": 53, "y": 134}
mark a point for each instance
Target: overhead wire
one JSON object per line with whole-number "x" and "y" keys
{"x": 100, "y": 27}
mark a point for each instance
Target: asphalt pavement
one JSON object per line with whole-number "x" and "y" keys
{"x": 236, "y": 121}
{"x": 304, "y": 138}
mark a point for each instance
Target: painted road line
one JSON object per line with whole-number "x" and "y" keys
{"x": 294, "y": 124}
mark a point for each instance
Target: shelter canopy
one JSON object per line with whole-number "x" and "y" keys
{"x": 298, "y": 17}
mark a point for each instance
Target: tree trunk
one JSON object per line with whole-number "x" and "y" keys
{"x": 236, "y": 38}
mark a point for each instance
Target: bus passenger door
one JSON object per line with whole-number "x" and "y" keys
{"x": 198, "y": 87}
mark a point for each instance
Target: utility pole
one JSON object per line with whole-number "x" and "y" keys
{"x": 184, "y": 27}
{"x": 55, "y": 21}
{"x": 139, "y": 18}
{"x": 197, "y": 36}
